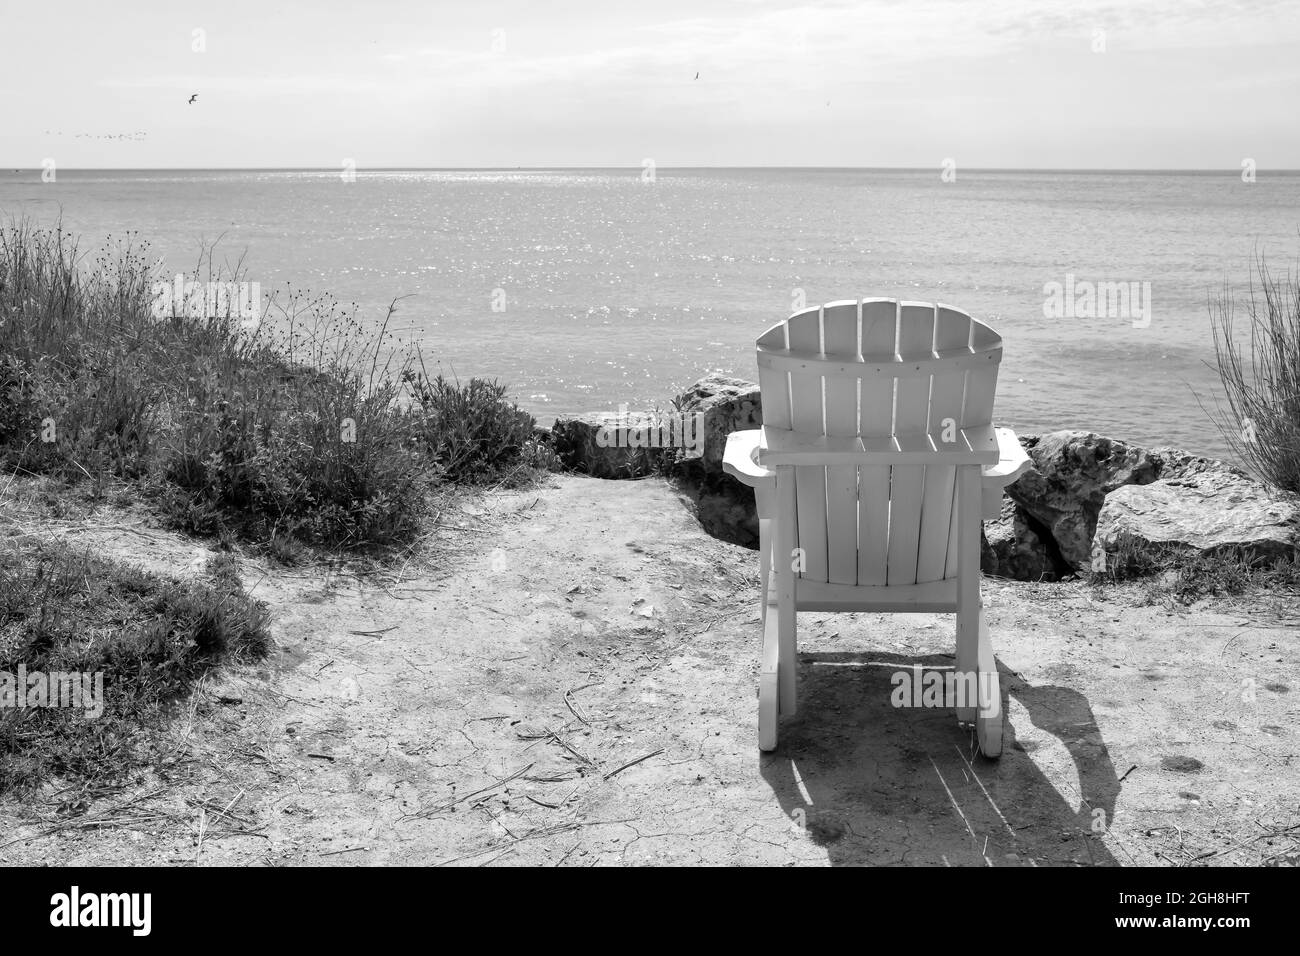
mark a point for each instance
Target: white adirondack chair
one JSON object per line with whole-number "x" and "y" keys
{"x": 877, "y": 458}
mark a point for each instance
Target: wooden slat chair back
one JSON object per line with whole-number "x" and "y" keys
{"x": 879, "y": 368}
{"x": 876, "y": 460}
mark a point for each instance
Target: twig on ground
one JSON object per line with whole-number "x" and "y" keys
{"x": 346, "y": 849}
{"x": 443, "y": 807}
{"x": 632, "y": 763}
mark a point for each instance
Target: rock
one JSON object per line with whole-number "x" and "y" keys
{"x": 725, "y": 507}
{"x": 580, "y": 446}
{"x": 714, "y": 407}
{"x": 1073, "y": 473}
{"x": 727, "y": 510}
{"x": 1010, "y": 548}
{"x": 1201, "y": 512}
{"x": 1176, "y": 463}
{"x": 728, "y": 405}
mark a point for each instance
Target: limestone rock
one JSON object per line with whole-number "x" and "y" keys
{"x": 1010, "y": 548}
{"x": 1205, "y": 511}
{"x": 1176, "y": 463}
{"x": 726, "y": 509}
{"x": 581, "y": 446}
{"x": 728, "y": 405}
{"x": 1073, "y": 473}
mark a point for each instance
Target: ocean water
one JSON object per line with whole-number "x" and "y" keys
{"x": 621, "y": 291}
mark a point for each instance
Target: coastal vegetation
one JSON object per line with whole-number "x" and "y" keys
{"x": 304, "y": 425}
{"x": 1260, "y": 371}
{"x": 136, "y": 642}
{"x": 298, "y": 434}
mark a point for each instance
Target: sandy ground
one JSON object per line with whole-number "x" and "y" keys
{"x": 571, "y": 681}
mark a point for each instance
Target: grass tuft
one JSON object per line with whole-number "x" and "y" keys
{"x": 67, "y": 611}
{"x": 1174, "y": 575}
{"x": 1260, "y": 373}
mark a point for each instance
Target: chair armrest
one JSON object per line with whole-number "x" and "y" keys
{"x": 1012, "y": 463}
{"x": 1012, "y": 460}
{"x": 970, "y": 446}
{"x": 740, "y": 459}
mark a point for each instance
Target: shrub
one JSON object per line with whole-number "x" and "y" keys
{"x": 473, "y": 432}
{"x": 328, "y": 464}
{"x": 293, "y": 428}
{"x": 1262, "y": 386}
{"x": 77, "y": 395}
{"x": 306, "y": 426}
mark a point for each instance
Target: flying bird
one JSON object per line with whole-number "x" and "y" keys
{"x": 697, "y": 75}
{"x": 193, "y": 98}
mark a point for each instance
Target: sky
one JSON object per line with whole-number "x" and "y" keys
{"x": 1114, "y": 84}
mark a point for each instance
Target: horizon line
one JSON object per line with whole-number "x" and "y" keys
{"x": 638, "y": 168}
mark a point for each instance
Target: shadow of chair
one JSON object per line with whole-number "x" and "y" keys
{"x": 876, "y": 784}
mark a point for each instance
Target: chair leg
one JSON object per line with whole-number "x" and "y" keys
{"x": 782, "y": 558}
{"x": 768, "y": 689}
{"x": 988, "y": 723}
{"x": 967, "y": 663}
{"x": 769, "y": 665}
{"x": 789, "y": 656}
{"x": 974, "y": 649}
{"x": 969, "y": 611}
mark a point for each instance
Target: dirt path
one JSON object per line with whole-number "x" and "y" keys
{"x": 575, "y": 685}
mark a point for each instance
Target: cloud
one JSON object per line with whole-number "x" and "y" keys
{"x": 788, "y": 44}
{"x": 770, "y": 50}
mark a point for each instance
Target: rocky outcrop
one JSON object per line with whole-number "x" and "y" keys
{"x": 1176, "y": 463}
{"x": 1085, "y": 494}
{"x": 1073, "y": 473}
{"x": 720, "y": 405}
{"x": 727, "y": 405}
{"x": 688, "y": 441}
{"x": 596, "y": 445}
{"x": 1207, "y": 511}
{"x": 1012, "y": 548}
{"x": 724, "y": 506}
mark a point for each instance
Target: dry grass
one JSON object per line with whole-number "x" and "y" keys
{"x": 1261, "y": 376}
{"x": 66, "y": 610}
